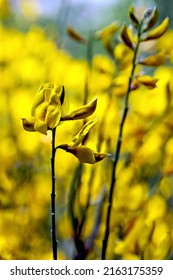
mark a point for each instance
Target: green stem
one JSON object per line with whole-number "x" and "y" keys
{"x": 89, "y": 55}
{"x": 118, "y": 148}
{"x": 76, "y": 181}
{"x": 53, "y": 196}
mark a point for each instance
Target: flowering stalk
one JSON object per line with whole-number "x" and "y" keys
{"x": 118, "y": 145}
{"x": 53, "y": 197}
{"x": 46, "y": 113}
{"x": 115, "y": 161}
{"x": 142, "y": 27}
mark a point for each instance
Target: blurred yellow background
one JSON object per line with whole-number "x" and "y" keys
{"x": 142, "y": 218}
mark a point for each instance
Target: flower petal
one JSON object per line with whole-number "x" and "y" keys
{"x": 100, "y": 156}
{"x": 49, "y": 93}
{"x": 53, "y": 116}
{"x": 32, "y": 124}
{"x": 28, "y": 124}
{"x": 133, "y": 17}
{"x": 60, "y": 92}
{"x": 41, "y": 127}
{"x": 151, "y": 16}
{"x": 154, "y": 60}
{"x": 82, "y": 112}
{"x": 147, "y": 81}
{"x": 83, "y": 154}
{"x": 126, "y": 37}
{"x": 39, "y": 98}
{"x": 83, "y": 132}
{"x": 158, "y": 31}
{"x": 108, "y": 31}
{"x": 41, "y": 111}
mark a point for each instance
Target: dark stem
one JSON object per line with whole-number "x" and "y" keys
{"x": 118, "y": 148}
{"x": 53, "y": 196}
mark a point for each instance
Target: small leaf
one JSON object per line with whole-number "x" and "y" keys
{"x": 154, "y": 60}
{"x": 82, "y": 112}
{"x": 158, "y": 31}
{"x": 82, "y": 133}
{"x": 132, "y": 16}
{"x": 75, "y": 35}
{"x": 125, "y": 37}
{"x": 108, "y": 31}
{"x": 147, "y": 81}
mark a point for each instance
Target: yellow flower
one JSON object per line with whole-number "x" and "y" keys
{"x": 46, "y": 110}
{"x": 84, "y": 154}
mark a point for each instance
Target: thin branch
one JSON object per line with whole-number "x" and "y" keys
{"x": 118, "y": 148}
{"x": 53, "y": 196}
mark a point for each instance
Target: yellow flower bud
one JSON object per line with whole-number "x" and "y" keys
{"x": 126, "y": 38}
{"x": 108, "y": 31}
{"x": 154, "y": 60}
{"x": 151, "y": 16}
{"x": 147, "y": 81}
{"x": 84, "y": 154}
{"x": 157, "y": 32}
{"x": 132, "y": 16}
